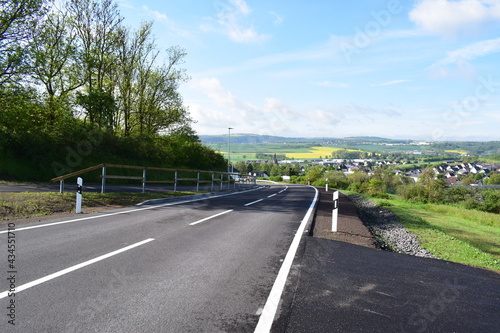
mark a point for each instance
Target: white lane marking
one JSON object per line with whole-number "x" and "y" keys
{"x": 122, "y": 212}
{"x": 267, "y": 317}
{"x": 272, "y": 195}
{"x": 211, "y": 217}
{"x": 253, "y": 202}
{"x": 73, "y": 268}
{"x": 283, "y": 190}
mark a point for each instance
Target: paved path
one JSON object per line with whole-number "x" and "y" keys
{"x": 350, "y": 228}
{"x": 342, "y": 287}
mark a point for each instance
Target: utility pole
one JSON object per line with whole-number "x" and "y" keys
{"x": 229, "y": 151}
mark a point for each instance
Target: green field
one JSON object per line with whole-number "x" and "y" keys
{"x": 452, "y": 233}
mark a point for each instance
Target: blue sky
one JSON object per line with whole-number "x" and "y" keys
{"x": 425, "y": 70}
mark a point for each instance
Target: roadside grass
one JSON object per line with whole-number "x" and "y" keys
{"x": 29, "y": 204}
{"x": 452, "y": 233}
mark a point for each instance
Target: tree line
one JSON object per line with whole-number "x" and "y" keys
{"x": 71, "y": 66}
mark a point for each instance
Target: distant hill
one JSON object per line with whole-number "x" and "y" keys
{"x": 250, "y": 138}
{"x": 255, "y": 138}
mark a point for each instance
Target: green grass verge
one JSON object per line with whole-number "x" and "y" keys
{"x": 452, "y": 233}
{"x": 27, "y": 204}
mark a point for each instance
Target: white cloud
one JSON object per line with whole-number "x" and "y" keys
{"x": 242, "y": 6}
{"x": 473, "y": 51}
{"x": 327, "y": 83}
{"x": 163, "y": 18}
{"x": 156, "y": 14}
{"x": 457, "y": 62}
{"x": 230, "y": 21}
{"x": 453, "y": 18}
{"x": 213, "y": 89}
{"x": 273, "y": 116}
{"x": 277, "y": 18}
{"x": 390, "y": 83}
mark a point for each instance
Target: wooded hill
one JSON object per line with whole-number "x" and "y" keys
{"x": 77, "y": 87}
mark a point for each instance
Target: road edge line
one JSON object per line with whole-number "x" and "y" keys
{"x": 266, "y": 319}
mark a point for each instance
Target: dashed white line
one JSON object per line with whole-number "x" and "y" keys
{"x": 272, "y": 195}
{"x": 73, "y": 268}
{"x": 211, "y": 217}
{"x": 253, "y": 202}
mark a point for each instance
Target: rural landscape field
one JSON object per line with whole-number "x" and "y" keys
{"x": 251, "y": 147}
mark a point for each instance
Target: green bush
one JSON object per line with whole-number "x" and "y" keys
{"x": 384, "y": 203}
{"x": 491, "y": 201}
{"x": 378, "y": 194}
{"x": 471, "y": 204}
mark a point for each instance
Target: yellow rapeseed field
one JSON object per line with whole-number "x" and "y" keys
{"x": 315, "y": 152}
{"x": 463, "y": 152}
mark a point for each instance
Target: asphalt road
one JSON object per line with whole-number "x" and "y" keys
{"x": 202, "y": 266}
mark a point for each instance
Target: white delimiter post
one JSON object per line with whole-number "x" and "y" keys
{"x": 335, "y": 211}
{"x": 79, "y": 186}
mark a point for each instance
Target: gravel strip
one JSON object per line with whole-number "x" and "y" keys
{"x": 390, "y": 235}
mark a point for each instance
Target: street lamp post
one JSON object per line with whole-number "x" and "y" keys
{"x": 229, "y": 150}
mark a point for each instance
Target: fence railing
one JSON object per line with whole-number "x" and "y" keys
{"x": 223, "y": 179}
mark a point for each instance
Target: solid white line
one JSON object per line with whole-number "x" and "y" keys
{"x": 122, "y": 212}
{"x": 253, "y": 202}
{"x": 211, "y": 217}
{"x": 267, "y": 317}
{"x": 73, "y": 268}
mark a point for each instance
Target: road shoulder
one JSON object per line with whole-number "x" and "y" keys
{"x": 350, "y": 227}
{"x": 349, "y": 288}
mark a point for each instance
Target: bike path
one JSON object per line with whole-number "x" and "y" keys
{"x": 343, "y": 287}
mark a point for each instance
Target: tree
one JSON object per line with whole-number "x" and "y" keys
{"x": 99, "y": 107}
{"x": 241, "y": 167}
{"x": 18, "y": 19}
{"x": 433, "y": 186}
{"x": 96, "y": 24}
{"x": 56, "y": 63}
{"x": 494, "y": 179}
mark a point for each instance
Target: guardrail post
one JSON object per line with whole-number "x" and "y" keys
{"x": 335, "y": 211}
{"x": 212, "y": 187}
{"x": 144, "y": 180}
{"x": 175, "y": 182}
{"x": 221, "y": 180}
{"x": 61, "y": 186}
{"x": 103, "y": 184}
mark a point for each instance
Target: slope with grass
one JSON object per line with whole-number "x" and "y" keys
{"x": 452, "y": 233}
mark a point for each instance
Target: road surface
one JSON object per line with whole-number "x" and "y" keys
{"x": 202, "y": 266}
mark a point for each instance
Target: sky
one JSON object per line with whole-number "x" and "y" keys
{"x": 401, "y": 69}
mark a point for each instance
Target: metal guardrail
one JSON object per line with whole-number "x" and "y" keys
{"x": 247, "y": 180}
